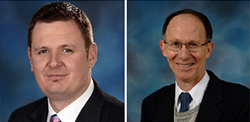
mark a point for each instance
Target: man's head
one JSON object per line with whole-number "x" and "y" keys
{"x": 58, "y": 54}
{"x": 202, "y": 17}
{"x": 62, "y": 11}
{"x": 187, "y": 44}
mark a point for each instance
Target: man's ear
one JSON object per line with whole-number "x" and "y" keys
{"x": 92, "y": 54}
{"x": 163, "y": 48}
{"x": 210, "y": 47}
{"x": 31, "y": 63}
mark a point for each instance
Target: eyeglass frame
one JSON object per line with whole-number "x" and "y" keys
{"x": 186, "y": 44}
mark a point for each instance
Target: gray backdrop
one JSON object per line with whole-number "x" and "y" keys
{"x": 17, "y": 84}
{"x": 148, "y": 69}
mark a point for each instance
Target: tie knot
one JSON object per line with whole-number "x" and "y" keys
{"x": 54, "y": 118}
{"x": 185, "y": 100}
{"x": 185, "y": 97}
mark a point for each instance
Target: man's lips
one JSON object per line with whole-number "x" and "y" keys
{"x": 185, "y": 65}
{"x": 56, "y": 76}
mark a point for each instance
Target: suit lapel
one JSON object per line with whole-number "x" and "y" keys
{"x": 166, "y": 108}
{"x": 212, "y": 96}
{"x": 91, "y": 112}
{"x": 41, "y": 112}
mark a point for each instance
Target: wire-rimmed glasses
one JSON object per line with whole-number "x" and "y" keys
{"x": 191, "y": 46}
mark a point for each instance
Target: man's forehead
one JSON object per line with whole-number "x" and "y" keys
{"x": 183, "y": 21}
{"x": 58, "y": 32}
{"x": 185, "y": 27}
{"x": 57, "y": 27}
{"x": 185, "y": 18}
{"x": 57, "y": 22}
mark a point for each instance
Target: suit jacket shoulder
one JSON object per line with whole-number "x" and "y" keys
{"x": 159, "y": 95}
{"x": 101, "y": 107}
{"x": 113, "y": 109}
{"x": 32, "y": 112}
{"x": 224, "y": 101}
{"x": 159, "y": 106}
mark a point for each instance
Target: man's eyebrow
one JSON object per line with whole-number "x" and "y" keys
{"x": 68, "y": 45}
{"x": 61, "y": 46}
{"x": 175, "y": 40}
{"x": 39, "y": 48}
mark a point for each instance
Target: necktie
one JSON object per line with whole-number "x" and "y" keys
{"x": 54, "y": 118}
{"x": 185, "y": 100}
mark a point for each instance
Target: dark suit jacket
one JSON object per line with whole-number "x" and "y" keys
{"x": 100, "y": 107}
{"x": 222, "y": 101}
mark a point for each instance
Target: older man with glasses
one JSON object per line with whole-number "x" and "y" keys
{"x": 198, "y": 94}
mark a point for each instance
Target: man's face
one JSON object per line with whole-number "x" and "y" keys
{"x": 59, "y": 60}
{"x": 187, "y": 66}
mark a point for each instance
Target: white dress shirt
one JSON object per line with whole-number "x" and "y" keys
{"x": 196, "y": 93}
{"x": 71, "y": 112}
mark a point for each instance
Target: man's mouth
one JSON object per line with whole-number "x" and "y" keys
{"x": 185, "y": 65}
{"x": 56, "y": 76}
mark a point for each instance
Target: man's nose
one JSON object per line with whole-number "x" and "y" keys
{"x": 54, "y": 61}
{"x": 184, "y": 53}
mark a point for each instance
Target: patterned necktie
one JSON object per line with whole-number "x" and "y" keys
{"x": 54, "y": 118}
{"x": 185, "y": 100}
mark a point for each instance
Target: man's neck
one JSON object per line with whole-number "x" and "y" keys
{"x": 59, "y": 104}
{"x": 187, "y": 85}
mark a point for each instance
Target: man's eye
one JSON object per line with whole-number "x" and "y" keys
{"x": 67, "y": 50}
{"x": 175, "y": 44}
{"x": 43, "y": 51}
{"x": 193, "y": 45}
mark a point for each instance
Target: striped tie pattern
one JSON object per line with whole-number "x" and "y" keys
{"x": 54, "y": 118}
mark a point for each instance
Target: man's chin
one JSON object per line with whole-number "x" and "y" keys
{"x": 184, "y": 77}
{"x": 54, "y": 91}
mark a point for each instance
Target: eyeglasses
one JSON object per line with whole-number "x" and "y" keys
{"x": 191, "y": 46}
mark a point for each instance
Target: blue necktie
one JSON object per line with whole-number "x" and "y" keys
{"x": 185, "y": 100}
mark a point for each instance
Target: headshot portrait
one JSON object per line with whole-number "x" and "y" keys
{"x": 188, "y": 60}
{"x": 70, "y": 52}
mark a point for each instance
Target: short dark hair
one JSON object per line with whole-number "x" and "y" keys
{"x": 202, "y": 17}
{"x": 62, "y": 11}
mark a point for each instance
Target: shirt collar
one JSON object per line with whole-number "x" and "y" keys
{"x": 196, "y": 92}
{"x": 70, "y": 113}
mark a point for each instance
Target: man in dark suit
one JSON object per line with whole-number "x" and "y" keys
{"x": 62, "y": 53}
{"x": 198, "y": 94}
